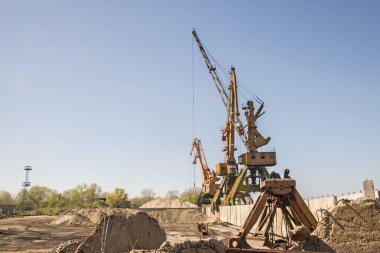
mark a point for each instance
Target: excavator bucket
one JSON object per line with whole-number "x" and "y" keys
{"x": 261, "y": 232}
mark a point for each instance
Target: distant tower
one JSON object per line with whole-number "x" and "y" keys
{"x": 27, "y": 182}
{"x": 26, "y": 185}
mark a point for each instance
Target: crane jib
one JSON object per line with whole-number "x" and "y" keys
{"x": 222, "y": 92}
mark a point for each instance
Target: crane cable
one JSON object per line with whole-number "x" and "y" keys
{"x": 192, "y": 65}
{"x": 225, "y": 73}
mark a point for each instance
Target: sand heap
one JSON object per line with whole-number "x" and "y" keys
{"x": 352, "y": 229}
{"x": 168, "y": 202}
{"x": 85, "y": 216}
{"x": 121, "y": 231}
{"x": 175, "y": 210}
{"x": 71, "y": 218}
{"x": 179, "y": 216}
{"x": 66, "y": 247}
{"x": 201, "y": 246}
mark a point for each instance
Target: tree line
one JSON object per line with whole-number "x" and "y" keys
{"x": 44, "y": 200}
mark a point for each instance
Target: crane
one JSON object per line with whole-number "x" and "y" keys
{"x": 238, "y": 184}
{"x": 209, "y": 178}
{"x": 222, "y": 92}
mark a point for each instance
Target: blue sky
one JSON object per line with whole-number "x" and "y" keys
{"x": 101, "y": 91}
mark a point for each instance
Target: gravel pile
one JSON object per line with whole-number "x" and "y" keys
{"x": 352, "y": 227}
{"x": 168, "y": 202}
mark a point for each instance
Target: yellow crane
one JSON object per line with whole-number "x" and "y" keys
{"x": 209, "y": 178}
{"x": 236, "y": 185}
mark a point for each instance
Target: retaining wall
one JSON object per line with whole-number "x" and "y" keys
{"x": 236, "y": 215}
{"x": 318, "y": 203}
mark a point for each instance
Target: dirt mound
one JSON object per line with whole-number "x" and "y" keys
{"x": 71, "y": 218}
{"x": 313, "y": 244}
{"x": 123, "y": 231}
{"x": 179, "y": 216}
{"x": 96, "y": 215}
{"x": 66, "y": 247}
{"x": 168, "y": 202}
{"x": 191, "y": 205}
{"x": 352, "y": 226}
{"x": 201, "y": 246}
{"x": 86, "y": 216}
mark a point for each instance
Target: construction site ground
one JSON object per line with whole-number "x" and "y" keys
{"x": 348, "y": 228}
{"x": 38, "y": 234}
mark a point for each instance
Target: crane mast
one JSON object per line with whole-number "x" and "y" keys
{"x": 229, "y": 131}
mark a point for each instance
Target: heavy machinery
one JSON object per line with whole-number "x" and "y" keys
{"x": 209, "y": 178}
{"x": 278, "y": 210}
{"x": 236, "y": 185}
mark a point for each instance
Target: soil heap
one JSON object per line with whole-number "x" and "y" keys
{"x": 201, "y": 246}
{"x": 168, "y": 202}
{"x": 85, "y": 216}
{"x": 179, "y": 216}
{"x": 71, "y": 218}
{"x": 120, "y": 231}
{"x": 352, "y": 226}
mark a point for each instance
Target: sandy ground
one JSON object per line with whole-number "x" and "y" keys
{"x": 180, "y": 232}
{"x": 37, "y": 234}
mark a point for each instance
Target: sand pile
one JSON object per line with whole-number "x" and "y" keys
{"x": 123, "y": 231}
{"x": 85, "y": 216}
{"x": 97, "y": 215}
{"x": 120, "y": 231}
{"x": 352, "y": 229}
{"x": 71, "y": 218}
{"x": 201, "y": 246}
{"x": 179, "y": 216}
{"x": 66, "y": 247}
{"x": 168, "y": 202}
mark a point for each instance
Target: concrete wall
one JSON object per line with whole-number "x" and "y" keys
{"x": 351, "y": 196}
{"x": 236, "y": 215}
{"x": 315, "y": 204}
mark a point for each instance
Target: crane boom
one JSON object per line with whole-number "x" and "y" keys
{"x": 208, "y": 176}
{"x": 222, "y": 92}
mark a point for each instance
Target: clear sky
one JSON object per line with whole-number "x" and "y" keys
{"x": 101, "y": 91}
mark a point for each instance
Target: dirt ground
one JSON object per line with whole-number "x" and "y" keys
{"x": 352, "y": 227}
{"x": 37, "y": 234}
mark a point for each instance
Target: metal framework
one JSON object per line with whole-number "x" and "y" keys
{"x": 237, "y": 185}
{"x": 222, "y": 92}
{"x": 27, "y": 183}
{"x": 279, "y": 197}
{"x": 209, "y": 178}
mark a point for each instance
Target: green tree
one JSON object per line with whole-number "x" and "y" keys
{"x": 191, "y": 195}
{"x": 6, "y": 198}
{"x": 91, "y": 193}
{"x": 118, "y": 198}
{"x": 83, "y": 195}
{"x": 136, "y": 202}
{"x": 39, "y": 196}
{"x": 23, "y": 202}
